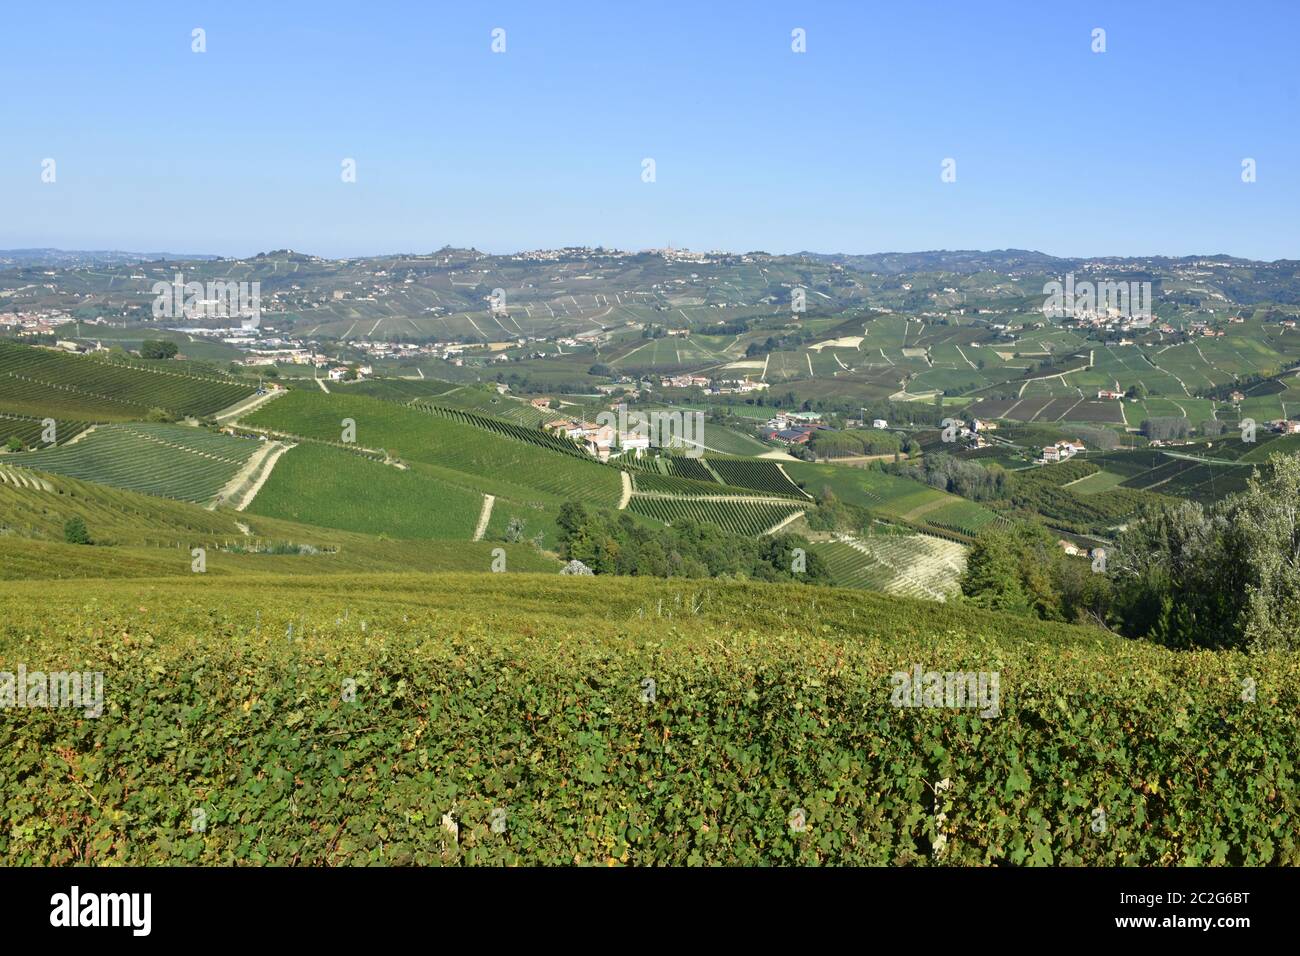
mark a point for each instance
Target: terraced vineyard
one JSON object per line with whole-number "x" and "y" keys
{"x": 913, "y": 565}
{"x": 173, "y": 461}
{"x": 44, "y": 383}
{"x": 738, "y": 515}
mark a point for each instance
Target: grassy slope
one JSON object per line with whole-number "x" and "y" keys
{"x": 140, "y": 535}
{"x": 34, "y": 560}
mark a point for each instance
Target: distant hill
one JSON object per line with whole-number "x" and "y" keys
{"x": 73, "y": 258}
{"x": 957, "y": 260}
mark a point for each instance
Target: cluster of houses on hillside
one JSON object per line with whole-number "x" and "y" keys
{"x": 38, "y": 322}
{"x": 684, "y": 381}
{"x": 1205, "y": 330}
{"x": 737, "y": 386}
{"x": 731, "y": 386}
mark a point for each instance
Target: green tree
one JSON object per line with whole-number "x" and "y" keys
{"x": 1226, "y": 577}
{"x": 74, "y": 531}
{"x": 158, "y": 349}
{"x": 992, "y": 576}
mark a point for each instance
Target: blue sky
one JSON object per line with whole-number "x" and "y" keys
{"x": 1134, "y": 151}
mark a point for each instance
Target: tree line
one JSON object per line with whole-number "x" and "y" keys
{"x": 1183, "y": 575}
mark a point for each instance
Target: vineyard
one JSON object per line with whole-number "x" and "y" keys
{"x": 759, "y": 474}
{"x": 649, "y": 481}
{"x": 1199, "y": 479}
{"x": 738, "y": 515}
{"x": 486, "y": 403}
{"x": 753, "y": 474}
{"x": 866, "y": 487}
{"x": 492, "y": 452}
{"x": 172, "y": 461}
{"x": 318, "y": 485}
{"x": 29, "y": 431}
{"x": 916, "y": 565}
{"x": 458, "y": 675}
{"x": 691, "y": 468}
{"x": 524, "y": 433}
{"x": 36, "y": 505}
{"x": 21, "y": 478}
{"x": 44, "y": 383}
{"x": 964, "y": 517}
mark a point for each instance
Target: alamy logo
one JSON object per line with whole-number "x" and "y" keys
{"x": 103, "y": 909}
{"x": 1089, "y": 300}
{"x": 219, "y": 299}
{"x": 660, "y": 429}
{"x": 53, "y": 689}
{"x": 952, "y": 689}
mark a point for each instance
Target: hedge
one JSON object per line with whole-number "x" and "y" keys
{"x": 521, "y": 701}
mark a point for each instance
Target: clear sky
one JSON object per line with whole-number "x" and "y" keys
{"x": 1137, "y": 150}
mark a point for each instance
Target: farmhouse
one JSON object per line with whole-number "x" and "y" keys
{"x": 568, "y": 428}
{"x": 791, "y": 436}
{"x": 633, "y": 442}
{"x": 1062, "y": 450}
{"x": 599, "y": 442}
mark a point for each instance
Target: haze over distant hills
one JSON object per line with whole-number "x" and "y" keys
{"x": 72, "y": 258}
{"x": 890, "y": 263}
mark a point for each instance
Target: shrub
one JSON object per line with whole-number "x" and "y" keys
{"x": 74, "y": 531}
